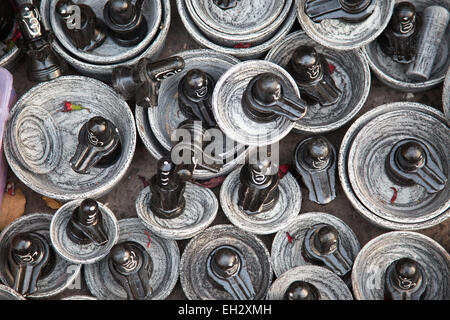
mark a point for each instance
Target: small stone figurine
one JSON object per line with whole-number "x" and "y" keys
{"x": 259, "y": 190}
{"x": 43, "y": 63}
{"x": 86, "y": 224}
{"x": 315, "y": 161}
{"x": 264, "y": 100}
{"x": 144, "y": 80}
{"x": 227, "y": 269}
{"x": 405, "y": 279}
{"x": 132, "y": 267}
{"x": 29, "y": 255}
{"x": 399, "y": 40}
{"x": 194, "y": 96}
{"x": 125, "y": 21}
{"x": 98, "y": 145}
{"x": 410, "y": 162}
{"x": 311, "y": 72}
{"x": 349, "y": 10}
{"x": 80, "y": 24}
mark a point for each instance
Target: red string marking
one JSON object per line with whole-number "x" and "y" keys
{"x": 394, "y": 196}
{"x": 289, "y": 237}
{"x": 242, "y": 45}
{"x": 10, "y": 188}
{"x": 332, "y": 68}
{"x": 283, "y": 170}
{"x": 144, "y": 181}
{"x": 149, "y": 240}
{"x": 212, "y": 183}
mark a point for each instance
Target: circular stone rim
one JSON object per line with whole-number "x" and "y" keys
{"x": 235, "y": 214}
{"x": 185, "y": 283}
{"x": 69, "y": 279}
{"x": 175, "y": 264}
{"x": 12, "y": 294}
{"x": 65, "y": 212}
{"x": 104, "y": 72}
{"x": 176, "y": 234}
{"x": 368, "y": 246}
{"x": 446, "y": 96}
{"x": 99, "y": 191}
{"x": 90, "y": 57}
{"x": 275, "y": 254}
{"x": 308, "y": 26}
{"x": 240, "y": 52}
{"x": 346, "y": 144}
{"x": 223, "y": 38}
{"x": 309, "y": 270}
{"x": 305, "y": 129}
{"x": 229, "y": 131}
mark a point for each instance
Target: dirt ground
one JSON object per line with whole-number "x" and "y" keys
{"x": 121, "y": 200}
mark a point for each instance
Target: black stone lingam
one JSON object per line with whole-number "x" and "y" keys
{"x": 311, "y": 72}
{"x": 167, "y": 188}
{"x": 348, "y": 10}
{"x": 410, "y": 162}
{"x": 259, "y": 190}
{"x": 399, "y": 40}
{"x": 131, "y": 266}
{"x": 301, "y": 290}
{"x": 144, "y": 80}
{"x": 315, "y": 161}
{"x": 321, "y": 246}
{"x": 98, "y": 145}
{"x": 264, "y": 99}
{"x": 405, "y": 280}
{"x": 6, "y": 19}
{"x": 227, "y": 269}
{"x": 194, "y": 96}
{"x": 125, "y": 21}
{"x": 43, "y": 63}
{"x": 86, "y": 224}
{"x": 80, "y": 25}
{"x": 29, "y": 254}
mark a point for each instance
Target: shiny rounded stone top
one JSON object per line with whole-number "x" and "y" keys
{"x": 196, "y": 83}
{"x": 305, "y": 62}
{"x": 326, "y": 239}
{"x": 411, "y": 156}
{"x": 267, "y": 89}
{"x": 122, "y": 11}
{"x": 301, "y": 290}
{"x": 99, "y": 129}
{"x": 318, "y": 149}
{"x": 355, "y": 6}
{"x": 63, "y": 8}
{"x": 23, "y": 248}
{"x": 226, "y": 262}
{"x": 407, "y": 268}
{"x": 123, "y": 258}
{"x": 87, "y": 211}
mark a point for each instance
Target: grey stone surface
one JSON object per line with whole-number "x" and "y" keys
{"x": 63, "y": 272}
{"x": 199, "y": 212}
{"x": 328, "y": 284}
{"x": 394, "y": 75}
{"x": 6, "y": 293}
{"x": 103, "y": 71}
{"x": 87, "y": 253}
{"x": 362, "y": 166}
{"x": 446, "y": 96}
{"x": 63, "y": 183}
{"x": 228, "y": 110}
{"x": 280, "y": 216}
{"x": 165, "y": 257}
{"x": 251, "y": 52}
{"x": 193, "y": 275}
{"x": 351, "y": 75}
{"x": 285, "y": 255}
{"x": 342, "y": 35}
{"x": 376, "y": 256}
